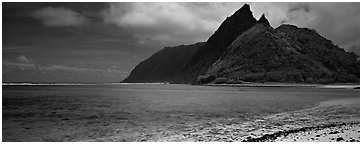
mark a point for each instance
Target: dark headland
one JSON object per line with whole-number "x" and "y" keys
{"x": 244, "y": 50}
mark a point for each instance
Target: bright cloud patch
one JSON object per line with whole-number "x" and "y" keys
{"x": 185, "y": 23}
{"x": 51, "y": 16}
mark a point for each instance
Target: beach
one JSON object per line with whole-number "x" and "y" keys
{"x": 330, "y": 121}
{"x": 162, "y": 112}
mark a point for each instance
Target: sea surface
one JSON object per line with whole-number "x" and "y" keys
{"x": 139, "y": 112}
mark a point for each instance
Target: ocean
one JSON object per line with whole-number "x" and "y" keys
{"x": 143, "y": 112}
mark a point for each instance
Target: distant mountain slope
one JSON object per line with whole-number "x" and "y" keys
{"x": 163, "y": 66}
{"x": 246, "y": 50}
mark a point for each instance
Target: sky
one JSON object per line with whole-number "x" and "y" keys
{"x": 103, "y": 42}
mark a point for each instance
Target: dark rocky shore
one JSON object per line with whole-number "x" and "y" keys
{"x": 342, "y": 132}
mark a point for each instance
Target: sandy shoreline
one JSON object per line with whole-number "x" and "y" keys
{"x": 338, "y": 86}
{"x": 328, "y": 122}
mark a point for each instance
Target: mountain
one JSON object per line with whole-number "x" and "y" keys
{"x": 244, "y": 49}
{"x": 163, "y": 66}
{"x": 285, "y": 54}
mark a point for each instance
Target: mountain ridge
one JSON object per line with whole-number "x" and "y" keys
{"x": 263, "y": 54}
{"x": 244, "y": 49}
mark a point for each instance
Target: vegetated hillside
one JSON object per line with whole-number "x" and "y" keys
{"x": 245, "y": 50}
{"x": 163, "y": 66}
{"x": 344, "y": 65}
{"x": 287, "y": 54}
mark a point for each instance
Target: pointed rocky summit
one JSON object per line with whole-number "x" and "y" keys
{"x": 263, "y": 20}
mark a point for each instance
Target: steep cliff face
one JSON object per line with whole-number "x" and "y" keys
{"x": 245, "y": 50}
{"x": 163, "y": 66}
{"x": 215, "y": 46}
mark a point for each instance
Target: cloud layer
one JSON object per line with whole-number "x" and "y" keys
{"x": 185, "y": 23}
{"x": 178, "y": 23}
{"x": 58, "y": 16}
{"x": 102, "y": 42}
{"x": 169, "y": 23}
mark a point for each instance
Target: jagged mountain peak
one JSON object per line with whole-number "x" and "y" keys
{"x": 240, "y": 21}
{"x": 215, "y": 46}
{"x": 263, "y": 20}
{"x": 243, "y": 14}
{"x": 243, "y": 9}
